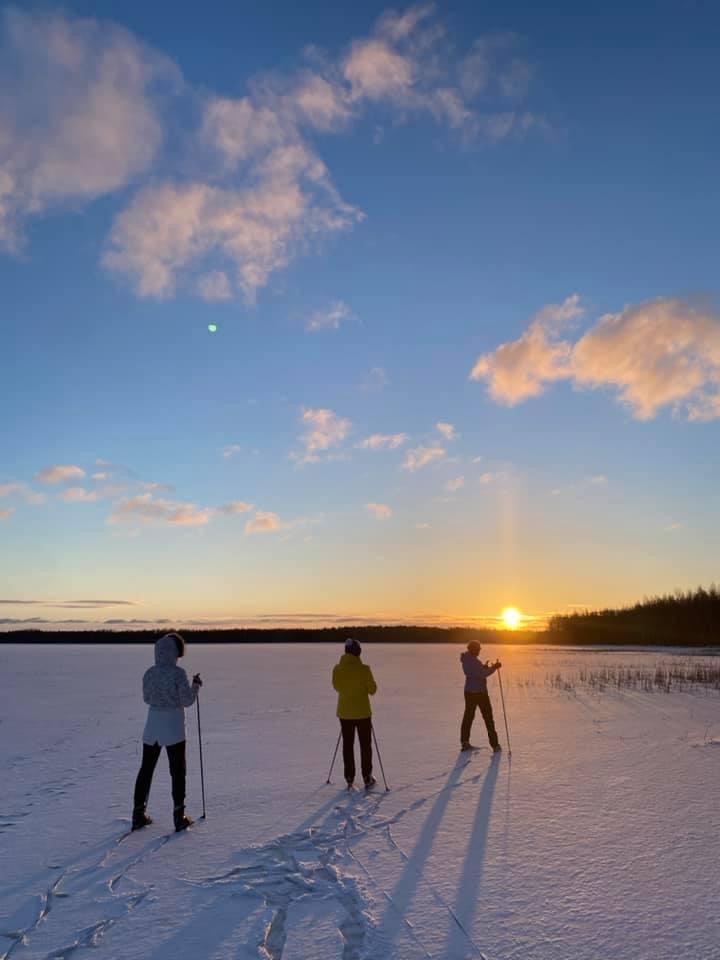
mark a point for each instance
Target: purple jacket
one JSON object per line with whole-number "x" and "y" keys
{"x": 476, "y": 673}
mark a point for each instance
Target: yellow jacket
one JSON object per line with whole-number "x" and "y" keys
{"x": 354, "y": 682}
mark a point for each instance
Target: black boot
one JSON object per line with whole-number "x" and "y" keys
{"x": 182, "y": 822}
{"x": 140, "y": 819}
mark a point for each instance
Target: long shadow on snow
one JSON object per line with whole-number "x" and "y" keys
{"x": 401, "y": 897}
{"x": 467, "y": 900}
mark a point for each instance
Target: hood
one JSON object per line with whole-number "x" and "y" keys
{"x": 350, "y": 660}
{"x": 466, "y": 656}
{"x": 166, "y": 653}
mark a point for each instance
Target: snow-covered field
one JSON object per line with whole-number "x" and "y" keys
{"x": 598, "y": 840}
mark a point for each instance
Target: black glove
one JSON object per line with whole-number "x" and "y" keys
{"x": 497, "y": 664}
{"x": 197, "y": 681}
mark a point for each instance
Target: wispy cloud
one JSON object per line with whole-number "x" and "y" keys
{"x": 79, "y": 495}
{"x": 420, "y": 457}
{"x": 236, "y": 507}
{"x": 7, "y": 513}
{"x": 231, "y": 450}
{"x": 324, "y": 430}
{"x": 22, "y": 490}
{"x": 663, "y": 353}
{"x": 329, "y": 319}
{"x": 80, "y": 115}
{"x": 457, "y": 483}
{"x": 383, "y": 441}
{"x": 263, "y": 522}
{"x": 215, "y": 286}
{"x": 84, "y": 115}
{"x": 144, "y": 509}
{"x": 59, "y": 473}
{"x": 379, "y": 510}
{"x": 72, "y": 604}
{"x": 447, "y": 430}
{"x": 598, "y": 480}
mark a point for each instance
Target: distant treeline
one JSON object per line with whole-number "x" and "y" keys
{"x": 679, "y": 619}
{"x": 365, "y": 634}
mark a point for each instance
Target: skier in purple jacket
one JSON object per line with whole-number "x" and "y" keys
{"x": 476, "y": 695}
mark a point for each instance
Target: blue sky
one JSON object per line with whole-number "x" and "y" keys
{"x": 495, "y": 218}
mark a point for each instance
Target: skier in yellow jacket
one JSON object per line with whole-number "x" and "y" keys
{"x": 355, "y": 684}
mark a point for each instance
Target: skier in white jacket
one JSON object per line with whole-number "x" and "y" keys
{"x": 167, "y": 692}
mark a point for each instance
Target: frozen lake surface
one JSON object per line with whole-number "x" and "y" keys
{"x": 598, "y": 840}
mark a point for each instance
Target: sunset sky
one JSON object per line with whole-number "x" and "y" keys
{"x": 461, "y": 263}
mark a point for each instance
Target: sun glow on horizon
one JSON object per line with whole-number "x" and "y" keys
{"x": 511, "y": 618}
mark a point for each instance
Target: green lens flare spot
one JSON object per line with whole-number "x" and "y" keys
{"x": 212, "y": 327}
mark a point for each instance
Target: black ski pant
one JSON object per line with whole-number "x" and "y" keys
{"x": 176, "y": 760}
{"x": 472, "y": 702}
{"x": 364, "y": 730}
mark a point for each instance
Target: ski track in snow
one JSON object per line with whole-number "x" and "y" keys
{"x": 74, "y": 880}
{"x": 431, "y": 870}
{"x": 317, "y": 864}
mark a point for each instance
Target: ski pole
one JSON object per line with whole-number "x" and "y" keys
{"x": 332, "y": 764}
{"x": 377, "y": 750}
{"x": 502, "y": 697}
{"x": 202, "y": 771}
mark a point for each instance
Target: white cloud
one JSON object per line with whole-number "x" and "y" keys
{"x": 661, "y": 353}
{"x": 477, "y": 459}
{"x": 599, "y": 480}
{"x": 231, "y": 450}
{"x": 237, "y": 506}
{"x": 170, "y": 229}
{"x": 487, "y": 478}
{"x": 78, "y": 112}
{"x": 324, "y": 430}
{"x": 8, "y": 489}
{"x": 145, "y": 509}
{"x": 263, "y": 522}
{"x": 420, "y": 457}
{"x": 329, "y": 319}
{"x": 7, "y": 513}
{"x": 457, "y": 483}
{"x": 379, "y": 510}
{"x": 383, "y": 441}
{"x": 518, "y": 370}
{"x": 447, "y": 430}
{"x": 422, "y": 526}
{"x": 215, "y": 286}
{"x": 59, "y": 473}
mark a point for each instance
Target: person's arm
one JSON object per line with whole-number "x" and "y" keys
{"x": 372, "y": 686}
{"x": 186, "y": 692}
{"x": 146, "y": 688}
{"x": 490, "y": 668}
{"x": 335, "y": 679}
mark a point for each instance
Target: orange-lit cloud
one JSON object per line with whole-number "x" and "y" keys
{"x": 263, "y": 522}
{"x": 420, "y": 457}
{"x": 145, "y": 509}
{"x": 379, "y": 510}
{"x": 661, "y": 353}
{"x": 383, "y": 441}
{"x": 59, "y": 473}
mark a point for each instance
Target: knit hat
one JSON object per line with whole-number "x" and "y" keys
{"x": 353, "y": 647}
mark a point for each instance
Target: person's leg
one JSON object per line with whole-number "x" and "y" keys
{"x": 364, "y": 728}
{"x": 348, "y": 738}
{"x": 468, "y": 716}
{"x": 144, "y": 781}
{"x": 176, "y": 761}
{"x": 487, "y": 715}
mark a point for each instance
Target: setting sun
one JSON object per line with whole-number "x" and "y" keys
{"x": 511, "y": 618}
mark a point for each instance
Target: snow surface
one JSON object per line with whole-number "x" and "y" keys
{"x": 598, "y": 840}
